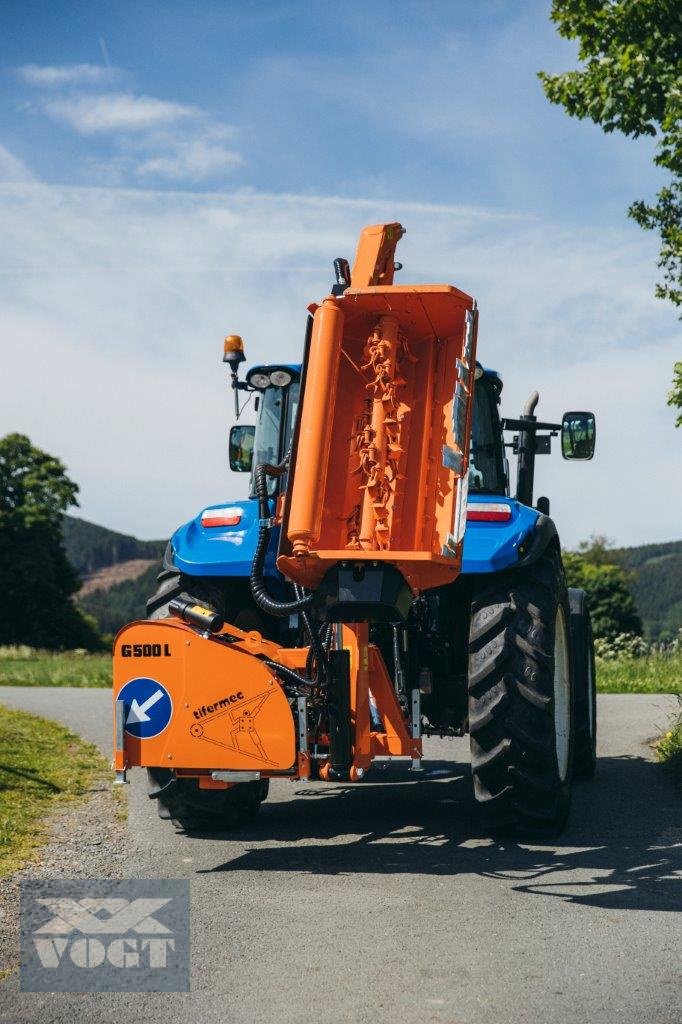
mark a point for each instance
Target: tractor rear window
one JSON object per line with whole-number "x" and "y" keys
{"x": 486, "y": 462}
{"x": 270, "y": 446}
{"x": 268, "y": 431}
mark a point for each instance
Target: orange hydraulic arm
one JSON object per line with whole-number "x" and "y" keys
{"x": 374, "y": 260}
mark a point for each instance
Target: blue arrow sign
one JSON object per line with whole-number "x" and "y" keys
{"x": 148, "y": 707}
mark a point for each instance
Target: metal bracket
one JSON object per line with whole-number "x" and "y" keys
{"x": 234, "y": 776}
{"x": 416, "y": 724}
{"x": 452, "y": 459}
{"x": 302, "y": 714}
{"x": 120, "y": 711}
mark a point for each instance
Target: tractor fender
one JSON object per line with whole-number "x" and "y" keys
{"x": 199, "y": 548}
{"x": 543, "y": 535}
{"x": 491, "y": 547}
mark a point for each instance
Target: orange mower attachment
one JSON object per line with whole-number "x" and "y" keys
{"x": 370, "y": 497}
{"x": 186, "y": 700}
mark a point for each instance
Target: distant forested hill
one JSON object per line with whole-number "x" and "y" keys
{"x": 119, "y": 571}
{"x": 656, "y": 585}
{"x": 122, "y": 602}
{"x": 90, "y": 547}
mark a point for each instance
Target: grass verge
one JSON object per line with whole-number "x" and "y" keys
{"x": 25, "y": 666}
{"x": 669, "y": 747}
{"x": 42, "y": 764}
{"x": 653, "y": 673}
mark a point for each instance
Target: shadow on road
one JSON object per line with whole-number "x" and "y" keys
{"x": 622, "y": 848}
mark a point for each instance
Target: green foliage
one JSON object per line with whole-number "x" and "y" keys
{"x": 597, "y": 550}
{"x": 631, "y": 82}
{"x": 627, "y": 664}
{"x": 654, "y": 578}
{"x": 622, "y": 646}
{"x": 37, "y": 579}
{"x": 635, "y": 559}
{"x": 42, "y": 764}
{"x": 611, "y": 604}
{"x": 656, "y": 585}
{"x": 675, "y": 395}
{"x": 122, "y": 603}
{"x": 655, "y": 672}
{"x": 640, "y": 675}
{"x": 34, "y": 487}
{"x": 25, "y": 666}
{"x": 90, "y": 547}
{"x": 669, "y": 747}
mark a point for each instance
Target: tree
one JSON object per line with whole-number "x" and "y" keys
{"x": 36, "y": 579}
{"x": 631, "y": 82}
{"x": 607, "y": 586}
{"x": 675, "y": 396}
{"x": 597, "y": 550}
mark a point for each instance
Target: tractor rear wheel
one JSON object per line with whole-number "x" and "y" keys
{"x": 181, "y": 800}
{"x": 584, "y": 687}
{"x": 520, "y": 698}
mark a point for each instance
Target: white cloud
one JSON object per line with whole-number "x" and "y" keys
{"x": 115, "y": 304}
{"x": 118, "y": 112}
{"x": 65, "y": 74}
{"x": 201, "y": 155}
{"x": 151, "y": 138}
{"x": 12, "y": 169}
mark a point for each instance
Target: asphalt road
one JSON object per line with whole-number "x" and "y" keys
{"x": 380, "y": 902}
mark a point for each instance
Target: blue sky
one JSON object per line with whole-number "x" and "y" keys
{"x": 434, "y": 101}
{"x": 170, "y": 172}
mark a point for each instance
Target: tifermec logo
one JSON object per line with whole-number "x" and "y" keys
{"x": 101, "y": 935}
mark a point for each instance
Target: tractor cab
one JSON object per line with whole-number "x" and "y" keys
{"x": 274, "y": 390}
{"x": 500, "y": 524}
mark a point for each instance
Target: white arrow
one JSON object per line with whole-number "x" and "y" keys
{"x": 138, "y": 712}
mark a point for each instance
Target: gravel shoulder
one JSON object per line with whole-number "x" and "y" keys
{"x": 86, "y": 838}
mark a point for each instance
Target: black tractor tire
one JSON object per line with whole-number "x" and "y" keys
{"x": 181, "y": 800}
{"x": 520, "y": 698}
{"x": 584, "y": 687}
{"x": 204, "y": 810}
{"x": 231, "y": 602}
{"x": 172, "y": 583}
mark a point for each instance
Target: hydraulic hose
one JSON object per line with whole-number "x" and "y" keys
{"x": 318, "y": 653}
{"x": 259, "y": 589}
{"x": 288, "y": 675}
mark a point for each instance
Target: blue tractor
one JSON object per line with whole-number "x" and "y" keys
{"x": 505, "y": 652}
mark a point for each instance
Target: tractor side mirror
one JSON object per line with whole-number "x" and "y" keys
{"x": 578, "y": 435}
{"x": 241, "y": 447}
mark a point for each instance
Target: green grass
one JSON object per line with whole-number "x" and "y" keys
{"x": 653, "y": 673}
{"x": 25, "y": 666}
{"x": 669, "y": 747}
{"x": 42, "y": 764}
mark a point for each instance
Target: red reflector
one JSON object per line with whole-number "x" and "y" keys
{"x": 221, "y": 517}
{"x": 485, "y": 512}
